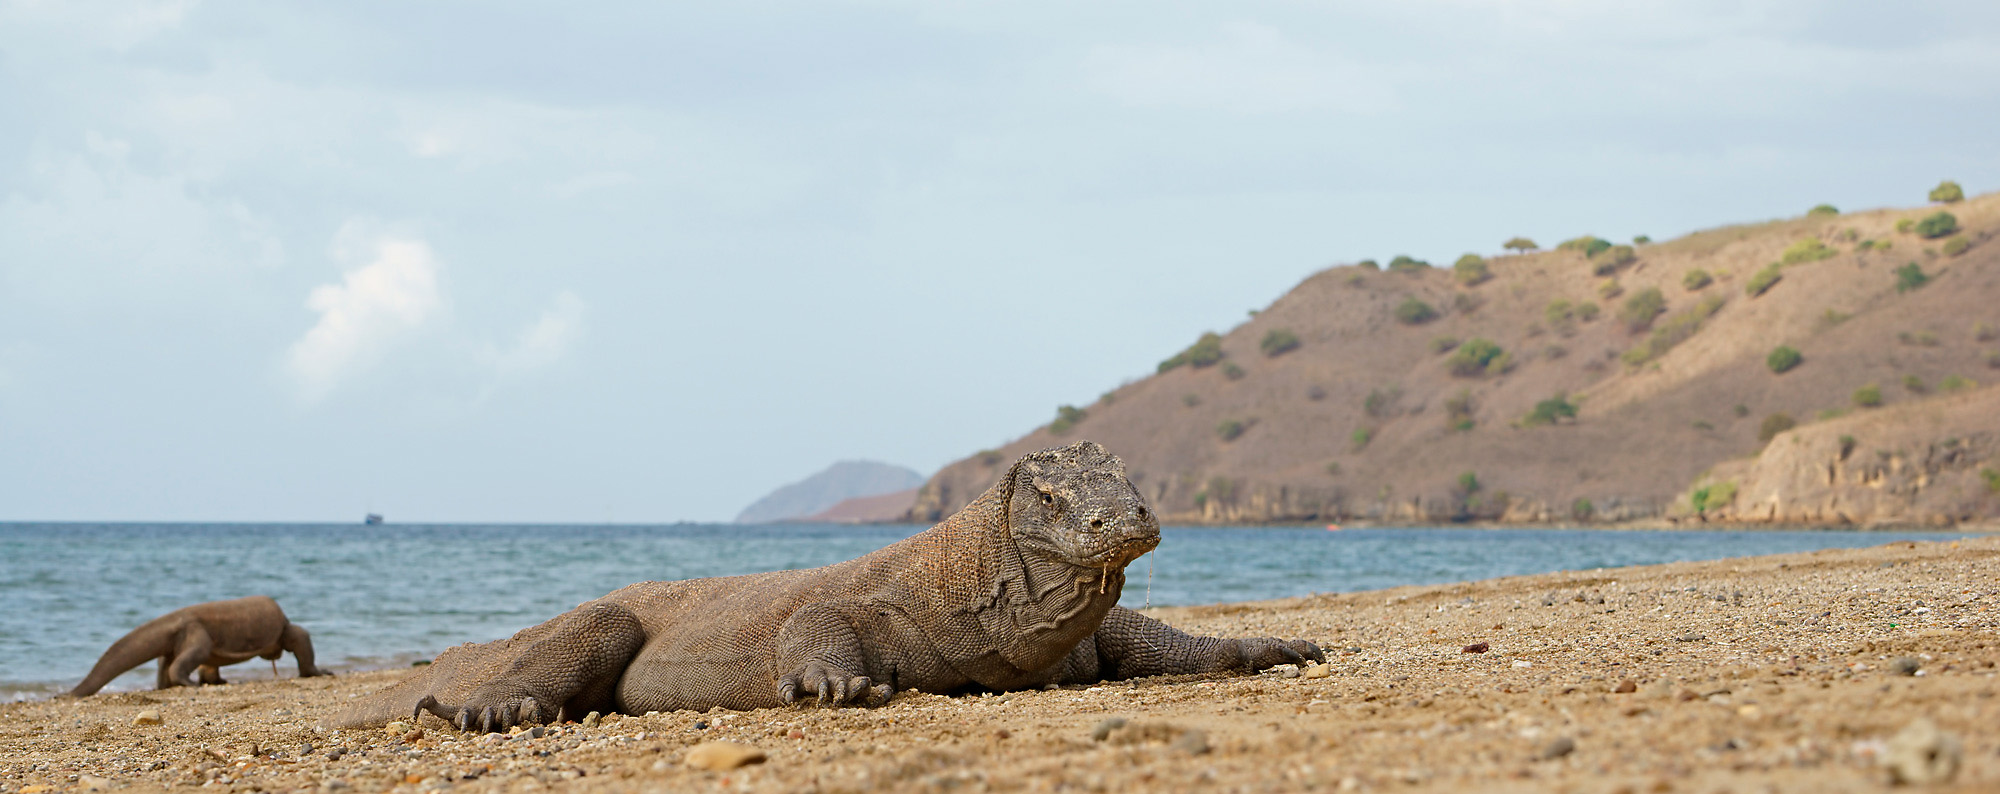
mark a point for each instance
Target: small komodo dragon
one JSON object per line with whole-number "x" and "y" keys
{"x": 1018, "y": 590}
{"x": 205, "y": 637}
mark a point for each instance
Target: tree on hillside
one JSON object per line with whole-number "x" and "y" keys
{"x": 1521, "y": 244}
{"x": 1471, "y": 269}
{"x": 1947, "y": 192}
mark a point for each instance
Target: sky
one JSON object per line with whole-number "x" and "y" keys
{"x": 645, "y": 262}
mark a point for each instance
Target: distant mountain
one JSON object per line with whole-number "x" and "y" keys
{"x": 1592, "y": 382}
{"x": 883, "y": 509}
{"x": 845, "y": 480}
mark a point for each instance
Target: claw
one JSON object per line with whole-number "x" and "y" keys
{"x": 825, "y": 691}
{"x": 857, "y": 691}
{"x": 788, "y": 691}
{"x": 531, "y": 712}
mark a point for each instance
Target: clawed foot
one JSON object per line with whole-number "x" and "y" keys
{"x": 485, "y": 714}
{"x": 1261, "y": 653}
{"x": 831, "y": 686}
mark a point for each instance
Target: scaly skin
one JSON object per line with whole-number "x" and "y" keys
{"x": 1018, "y": 590}
{"x": 202, "y": 638}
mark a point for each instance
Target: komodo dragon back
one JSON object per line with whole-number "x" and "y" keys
{"x": 1018, "y": 589}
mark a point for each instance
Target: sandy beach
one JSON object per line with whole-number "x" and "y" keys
{"x": 1807, "y": 672}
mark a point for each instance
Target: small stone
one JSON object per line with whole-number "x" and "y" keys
{"x": 415, "y": 735}
{"x": 1104, "y": 729}
{"x": 1002, "y": 733}
{"x": 92, "y": 783}
{"x": 1922, "y": 755}
{"x": 1691, "y": 637}
{"x": 335, "y": 784}
{"x": 396, "y": 728}
{"x": 722, "y": 756}
{"x": 592, "y": 719}
{"x": 1477, "y": 647}
{"x": 1317, "y": 671}
{"x": 1523, "y": 663}
{"x": 147, "y": 717}
{"x": 1626, "y": 687}
{"x": 1905, "y": 665}
{"x": 1288, "y": 671}
{"x": 795, "y": 734}
{"x": 1559, "y": 747}
{"x": 537, "y": 732}
{"x": 1191, "y": 741}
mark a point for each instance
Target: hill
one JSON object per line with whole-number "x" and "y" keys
{"x": 842, "y": 481}
{"x": 1592, "y": 382}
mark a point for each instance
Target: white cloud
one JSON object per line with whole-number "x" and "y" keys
{"x": 545, "y": 341}
{"x": 1253, "y": 68}
{"x": 394, "y": 293}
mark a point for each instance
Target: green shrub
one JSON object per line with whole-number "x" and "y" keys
{"x": 1947, "y": 192}
{"x": 1471, "y": 269}
{"x": 1521, "y": 244}
{"x": 1847, "y": 443}
{"x": 1458, "y": 411}
{"x": 1359, "y": 439}
{"x": 1641, "y": 240}
{"x": 1740, "y": 410}
{"x": 1067, "y": 416}
{"x": 1831, "y": 413}
{"x": 1206, "y": 351}
{"x": 1468, "y": 484}
{"x": 1231, "y": 429}
{"x": 1833, "y": 317}
{"x": 1992, "y": 479}
{"x": 1936, "y": 225}
{"x": 1985, "y": 332}
{"x": 1823, "y": 209}
{"x": 1231, "y": 371}
{"x": 1608, "y": 261}
{"x": 1673, "y": 331}
{"x": 1807, "y": 250}
{"x": 1762, "y": 281}
{"x": 1782, "y": 359}
{"x": 1910, "y": 276}
{"x": 1586, "y": 311}
{"x": 1443, "y": 344}
{"x": 1640, "y": 310}
{"x": 1559, "y": 312}
{"x": 1414, "y": 312}
{"x": 1869, "y": 396}
{"x": 989, "y": 457}
{"x": 1993, "y": 359}
{"x": 1190, "y": 400}
{"x": 1903, "y": 226}
{"x": 1609, "y": 288}
{"x": 1472, "y": 358}
{"x": 1333, "y": 468}
{"x": 1956, "y": 246}
{"x": 1864, "y": 245}
{"x": 1407, "y": 264}
{"x": 1368, "y": 264}
{"x": 1278, "y": 342}
{"x": 1220, "y": 490}
{"x": 1713, "y": 497}
{"x": 1953, "y": 383}
{"x": 1915, "y": 385}
{"x": 1919, "y": 339}
{"x": 1590, "y": 245}
{"x": 1551, "y": 411}
{"x": 1773, "y": 425}
{"x": 1695, "y": 279}
{"x": 1467, "y": 302}
{"x": 1500, "y": 365}
{"x": 1582, "y": 509}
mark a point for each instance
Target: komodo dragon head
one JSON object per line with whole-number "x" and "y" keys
{"x": 1073, "y": 504}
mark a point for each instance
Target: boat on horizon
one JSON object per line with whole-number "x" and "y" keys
{"x": 373, "y": 520}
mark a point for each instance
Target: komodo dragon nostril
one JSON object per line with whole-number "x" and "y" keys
{"x": 1097, "y": 523}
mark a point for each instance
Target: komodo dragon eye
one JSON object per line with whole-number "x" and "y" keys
{"x": 1047, "y": 500}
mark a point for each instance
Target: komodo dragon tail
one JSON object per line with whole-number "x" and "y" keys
{"x": 150, "y": 641}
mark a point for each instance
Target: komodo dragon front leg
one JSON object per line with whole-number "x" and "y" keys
{"x": 1130, "y": 645}
{"x": 577, "y": 665}
{"x": 847, "y": 652}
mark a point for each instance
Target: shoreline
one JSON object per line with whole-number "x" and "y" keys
{"x": 1792, "y": 671}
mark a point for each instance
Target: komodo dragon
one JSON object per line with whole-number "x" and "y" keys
{"x": 205, "y": 637}
{"x": 1018, "y": 590}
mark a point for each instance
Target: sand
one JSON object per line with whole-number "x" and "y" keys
{"x": 1786, "y": 673}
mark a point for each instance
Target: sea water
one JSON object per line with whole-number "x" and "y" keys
{"x": 385, "y": 596}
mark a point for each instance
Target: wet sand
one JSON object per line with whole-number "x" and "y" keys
{"x": 1787, "y": 673}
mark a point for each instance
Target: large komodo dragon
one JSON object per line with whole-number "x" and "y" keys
{"x": 1019, "y": 589}
{"x": 205, "y": 637}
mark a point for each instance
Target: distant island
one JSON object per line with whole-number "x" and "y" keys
{"x": 850, "y": 491}
{"x": 1827, "y": 369}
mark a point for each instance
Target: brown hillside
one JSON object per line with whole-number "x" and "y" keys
{"x": 1643, "y": 432}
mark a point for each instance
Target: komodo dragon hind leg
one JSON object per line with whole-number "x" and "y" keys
{"x": 581, "y": 659}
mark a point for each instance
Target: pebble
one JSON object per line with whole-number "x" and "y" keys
{"x": 1192, "y": 742}
{"x": 1691, "y": 637}
{"x": 1477, "y": 647}
{"x": 795, "y": 734}
{"x": 1288, "y": 670}
{"x": 1559, "y": 747}
{"x": 1905, "y": 665}
{"x": 1104, "y": 729}
{"x": 1523, "y": 663}
{"x": 1626, "y": 687}
{"x": 396, "y": 728}
{"x": 722, "y": 756}
{"x": 147, "y": 717}
{"x": 1922, "y": 755}
{"x": 592, "y": 719}
{"x": 415, "y": 735}
{"x": 1317, "y": 671}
